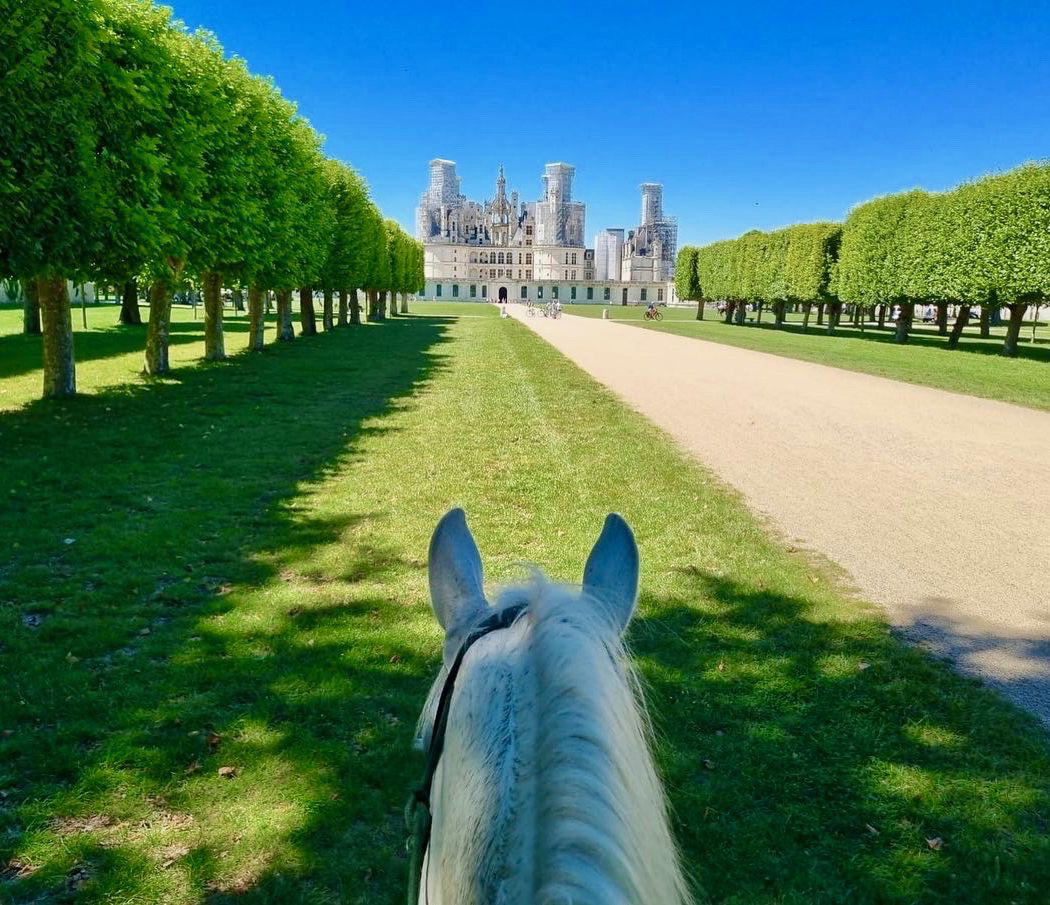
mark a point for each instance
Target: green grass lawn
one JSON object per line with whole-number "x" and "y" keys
{"x": 975, "y": 368}
{"x": 226, "y": 569}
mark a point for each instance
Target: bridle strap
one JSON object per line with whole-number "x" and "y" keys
{"x": 418, "y": 815}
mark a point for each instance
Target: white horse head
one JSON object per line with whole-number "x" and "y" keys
{"x": 544, "y": 790}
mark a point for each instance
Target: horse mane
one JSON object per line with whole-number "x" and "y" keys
{"x": 547, "y": 792}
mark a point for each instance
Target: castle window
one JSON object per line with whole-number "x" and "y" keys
{"x": 566, "y": 257}
{"x": 519, "y": 274}
{"x": 554, "y": 292}
{"x": 607, "y": 293}
{"x": 500, "y": 261}
{"x": 484, "y": 292}
{"x": 437, "y": 290}
{"x": 455, "y": 290}
{"x": 473, "y": 290}
{"x": 528, "y": 258}
{"x": 492, "y": 273}
{"x": 573, "y": 277}
{"x": 572, "y": 294}
{"x": 524, "y": 292}
{"x": 659, "y": 295}
{"x": 528, "y": 230}
{"x": 574, "y": 257}
{"x": 539, "y": 292}
{"x": 590, "y": 293}
{"x": 519, "y": 257}
{"x": 528, "y": 274}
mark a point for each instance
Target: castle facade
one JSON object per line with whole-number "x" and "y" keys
{"x": 507, "y": 249}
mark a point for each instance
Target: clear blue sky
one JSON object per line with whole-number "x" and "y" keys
{"x": 752, "y": 115}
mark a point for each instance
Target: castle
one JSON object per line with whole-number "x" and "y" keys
{"x": 504, "y": 248}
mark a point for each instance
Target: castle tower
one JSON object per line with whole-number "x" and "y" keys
{"x": 652, "y": 203}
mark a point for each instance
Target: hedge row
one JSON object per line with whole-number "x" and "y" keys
{"x": 985, "y": 243}
{"x": 132, "y": 149}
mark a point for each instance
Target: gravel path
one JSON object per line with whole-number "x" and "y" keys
{"x": 936, "y": 504}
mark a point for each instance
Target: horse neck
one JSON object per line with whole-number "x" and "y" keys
{"x": 547, "y": 791}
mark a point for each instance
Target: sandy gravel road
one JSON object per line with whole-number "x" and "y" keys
{"x": 937, "y": 504}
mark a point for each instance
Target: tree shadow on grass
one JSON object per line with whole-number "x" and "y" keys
{"x": 160, "y": 617}
{"x": 809, "y": 761}
{"x": 20, "y": 354}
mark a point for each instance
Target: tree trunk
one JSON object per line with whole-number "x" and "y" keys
{"x": 986, "y": 316}
{"x": 741, "y": 312}
{"x": 268, "y": 302}
{"x": 761, "y": 305}
{"x": 158, "y": 331}
{"x": 285, "y": 330}
{"x": 700, "y": 310}
{"x": 238, "y": 299}
{"x": 1013, "y": 328}
{"x": 404, "y": 303}
{"x": 344, "y": 308}
{"x": 129, "y": 305}
{"x": 355, "y": 307}
{"x": 778, "y": 315}
{"x": 858, "y": 315}
{"x": 327, "y": 315}
{"x": 393, "y": 304}
{"x": 30, "y": 308}
{"x": 961, "y": 320}
{"x": 256, "y": 319}
{"x": 882, "y": 317}
{"x": 820, "y": 314}
{"x": 307, "y": 317}
{"x": 60, "y": 377}
{"x": 807, "y": 308}
{"x": 904, "y": 322}
{"x": 730, "y": 308}
{"x": 942, "y": 318}
{"x": 834, "y": 316}
{"x": 214, "y": 348}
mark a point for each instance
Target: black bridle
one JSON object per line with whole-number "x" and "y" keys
{"x": 418, "y": 816}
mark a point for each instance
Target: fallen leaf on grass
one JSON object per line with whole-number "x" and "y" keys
{"x": 936, "y": 843}
{"x": 709, "y": 764}
{"x": 871, "y": 829}
{"x": 227, "y": 772}
{"x": 213, "y": 741}
{"x": 395, "y": 658}
{"x": 721, "y": 665}
{"x": 864, "y": 664}
{"x": 193, "y": 768}
{"x": 171, "y": 854}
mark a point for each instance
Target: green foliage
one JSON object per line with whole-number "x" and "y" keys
{"x": 686, "y": 281}
{"x": 1003, "y": 236}
{"x": 793, "y": 264}
{"x": 51, "y": 183}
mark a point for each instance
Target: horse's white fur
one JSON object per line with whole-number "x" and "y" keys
{"x": 546, "y": 791}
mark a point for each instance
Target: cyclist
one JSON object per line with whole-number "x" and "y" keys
{"x": 650, "y": 311}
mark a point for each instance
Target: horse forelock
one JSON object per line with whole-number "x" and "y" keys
{"x": 546, "y": 791}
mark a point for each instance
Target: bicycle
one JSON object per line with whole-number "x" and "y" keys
{"x": 653, "y": 314}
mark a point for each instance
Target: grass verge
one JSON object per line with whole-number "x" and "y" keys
{"x": 227, "y": 570}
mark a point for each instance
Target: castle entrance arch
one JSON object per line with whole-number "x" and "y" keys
{"x": 502, "y": 294}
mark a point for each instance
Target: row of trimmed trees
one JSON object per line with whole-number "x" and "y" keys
{"x": 789, "y": 266}
{"x": 132, "y": 150}
{"x": 984, "y": 244}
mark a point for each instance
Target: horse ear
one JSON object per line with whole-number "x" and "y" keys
{"x": 456, "y": 591}
{"x": 611, "y": 573}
